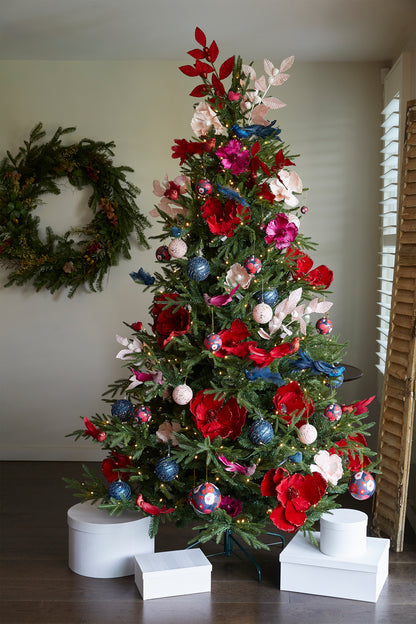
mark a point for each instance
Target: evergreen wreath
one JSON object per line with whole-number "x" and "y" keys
{"x": 59, "y": 260}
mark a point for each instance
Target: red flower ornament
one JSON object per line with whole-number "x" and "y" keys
{"x": 233, "y": 340}
{"x": 300, "y": 265}
{"x": 223, "y": 220}
{"x": 290, "y": 401}
{"x": 355, "y": 461}
{"x": 167, "y": 323}
{"x": 215, "y": 417}
{"x": 296, "y": 494}
{"x": 112, "y": 467}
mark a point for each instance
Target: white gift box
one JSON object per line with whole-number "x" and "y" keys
{"x": 172, "y": 573}
{"x": 103, "y": 546}
{"x": 305, "y": 569}
{"x": 343, "y": 533}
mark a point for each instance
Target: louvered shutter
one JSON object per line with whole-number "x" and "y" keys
{"x": 398, "y": 403}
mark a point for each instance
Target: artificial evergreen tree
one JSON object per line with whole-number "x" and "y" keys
{"x": 228, "y": 412}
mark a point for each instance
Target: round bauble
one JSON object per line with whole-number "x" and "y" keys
{"x": 182, "y": 394}
{"x": 166, "y": 469}
{"x": 252, "y": 265}
{"x": 269, "y": 296}
{"x": 123, "y": 409}
{"x": 162, "y": 254}
{"x": 177, "y": 248}
{"x": 198, "y": 268}
{"x": 203, "y": 187}
{"x": 304, "y": 210}
{"x": 362, "y": 485}
{"x": 333, "y": 412}
{"x": 213, "y": 342}
{"x": 307, "y": 434}
{"x": 175, "y": 231}
{"x": 260, "y": 432}
{"x": 119, "y": 490}
{"x": 323, "y": 325}
{"x": 205, "y": 498}
{"x": 142, "y": 414}
{"x": 262, "y": 313}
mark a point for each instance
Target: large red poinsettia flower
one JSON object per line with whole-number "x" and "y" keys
{"x": 215, "y": 417}
{"x": 112, "y": 467}
{"x": 355, "y": 462}
{"x": 296, "y": 494}
{"x": 300, "y": 265}
{"x": 233, "y": 340}
{"x": 224, "y": 219}
{"x": 290, "y": 401}
{"x": 167, "y": 323}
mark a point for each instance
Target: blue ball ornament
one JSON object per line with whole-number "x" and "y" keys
{"x": 119, "y": 490}
{"x": 203, "y": 187}
{"x": 362, "y": 485}
{"x": 142, "y": 414}
{"x": 260, "y": 432}
{"x": 123, "y": 409}
{"x": 205, "y": 498}
{"x": 323, "y": 325}
{"x": 198, "y": 268}
{"x": 333, "y": 412}
{"x": 252, "y": 265}
{"x": 269, "y": 296}
{"x": 175, "y": 231}
{"x": 213, "y": 342}
{"x": 162, "y": 253}
{"x": 166, "y": 469}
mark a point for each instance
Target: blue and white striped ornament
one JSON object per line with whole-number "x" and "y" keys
{"x": 198, "y": 268}
{"x": 261, "y": 432}
{"x": 269, "y": 296}
{"x": 166, "y": 469}
{"x": 119, "y": 490}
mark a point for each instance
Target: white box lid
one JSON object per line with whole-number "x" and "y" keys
{"x": 301, "y": 551}
{"x": 172, "y": 560}
{"x": 343, "y": 519}
{"x": 89, "y": 518}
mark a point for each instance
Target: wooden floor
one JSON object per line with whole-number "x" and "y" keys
{"x": 37, "y": 586}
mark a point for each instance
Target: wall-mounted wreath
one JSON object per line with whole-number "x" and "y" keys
{"x": 60, "y": 261}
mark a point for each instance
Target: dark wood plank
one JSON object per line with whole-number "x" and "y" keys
{"x": 37, "y": 587}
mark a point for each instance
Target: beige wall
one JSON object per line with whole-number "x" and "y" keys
{"x": 57, "y": 355}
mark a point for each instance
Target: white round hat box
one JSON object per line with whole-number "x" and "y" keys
{"x": 343, "y": 533}
{"x": 104, "y": 546}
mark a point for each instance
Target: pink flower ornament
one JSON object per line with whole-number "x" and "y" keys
{"x": 204, "y": 117}
{"x": 329, "y": 466}
{"x": 281, "y": 231}
{"x": 285, "y": 185}
{"x": 234, "y": 157}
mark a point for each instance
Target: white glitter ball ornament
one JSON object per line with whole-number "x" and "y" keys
{"x": 177, "y": 248}
{"x": 307, "y": 434}
{"x": 182, "y": 394}
{"x": 262, "y": 313}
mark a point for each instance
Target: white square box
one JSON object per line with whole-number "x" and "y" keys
{"x": 103, "y": 546}
{"x": 172, "y": 573}
{"x": 305, "y": 569}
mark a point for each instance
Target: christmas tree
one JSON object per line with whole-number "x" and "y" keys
{"x": 228, "y": 411}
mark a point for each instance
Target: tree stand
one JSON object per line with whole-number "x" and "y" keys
{"x": 229, "y": 540}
